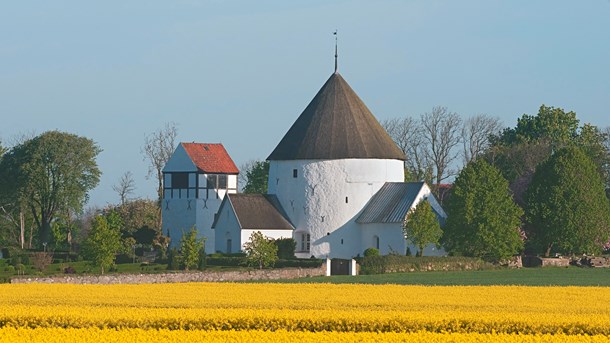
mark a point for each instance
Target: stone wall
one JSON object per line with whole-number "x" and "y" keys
{"x": 212, "y": 276}
{"x": 536, "y": 261}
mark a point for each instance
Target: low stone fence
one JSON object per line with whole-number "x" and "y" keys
{"x": 536, "y": 261}
{"x": 212, "y": 276}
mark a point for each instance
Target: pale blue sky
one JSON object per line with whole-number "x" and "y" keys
{"x": 240, "y": 72}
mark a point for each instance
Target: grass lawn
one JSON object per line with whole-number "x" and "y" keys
{"x": 571, "y": 276}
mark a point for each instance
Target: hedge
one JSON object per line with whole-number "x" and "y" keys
{"x": 402, "y": 264}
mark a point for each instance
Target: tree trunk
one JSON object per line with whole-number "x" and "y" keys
{"x": 45, "y": 232}
{"x": 21, "y": 229}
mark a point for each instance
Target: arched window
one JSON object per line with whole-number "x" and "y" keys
{"x": 229, "y": 244}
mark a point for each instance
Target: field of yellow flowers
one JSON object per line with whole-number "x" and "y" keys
{"x": 303, "y": 312}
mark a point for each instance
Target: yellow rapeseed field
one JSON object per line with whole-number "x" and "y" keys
{"x": 303, "y": 312}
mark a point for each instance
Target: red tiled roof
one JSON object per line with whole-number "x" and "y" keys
{"x": 210, "y": 158}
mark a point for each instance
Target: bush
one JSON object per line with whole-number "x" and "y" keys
{"x": 401, "y": 264}
{"x": 227, "y": 261}
{"x": 69, "y": 270}
{"x": 123, "y": 259}
{"x": 173, "y": 259}
{"x": 9, "y": 269}
{"x": 285, "y": 248}
{"x": 20, "y": 268}
{"x": 41, "y": 260}
{"x": 371, "y": 252}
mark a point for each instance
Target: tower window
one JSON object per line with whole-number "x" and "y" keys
{"x": 222, "y": 181}
{"x": 346, "y": 200}
{"x": 295, "y": 173}
{"x": 180, "y": 180}
{"x": 211, "y": 181}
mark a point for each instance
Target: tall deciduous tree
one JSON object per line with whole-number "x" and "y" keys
{"x": 422, "y": 226}
{"x": 257, "y": 177}
{"x": 441, "y": 132}
{"x": 50, "y": 174}
{"x": 260, "y": 250}
{"x": 103, "y": 242}
{"x": 125, "y": 187}
{"x": 567, "y": 209}
{"x": 476, "y": 132}
{"x": 482, "y": 219}
{"x": 407, "y": 134}
{"x": 158, "y": 148}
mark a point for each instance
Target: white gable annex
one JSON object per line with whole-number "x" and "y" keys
{"x": 240, "y": 215}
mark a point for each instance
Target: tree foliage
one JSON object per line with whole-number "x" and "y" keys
{"x": 518, "y": 151}
{"x": 190, "y": 246}
{"x": 257, "y": 176}
{"x": 483, "y": 221}
{"x": 50, "y": 174}
{"x": 567, "y": 209}
{"x": 422, "y": 226}
{"x": 260, "y": 250}
{"x": 137, "y": 214}
{"x": 104, "y": 241}
{"x": 551, "y": 124}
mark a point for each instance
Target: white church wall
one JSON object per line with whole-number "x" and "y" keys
{"x": 180, "y": 215}
{"x": 387, "y": 237}
{"x": 326, "y": 195}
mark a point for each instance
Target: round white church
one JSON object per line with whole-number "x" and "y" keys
{"x": 336, "y": 185}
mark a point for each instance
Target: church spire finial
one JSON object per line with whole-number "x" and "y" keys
{"x": 335, "y": 33}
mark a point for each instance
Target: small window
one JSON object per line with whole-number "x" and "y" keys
{"x": 305, "y": 241}
{"x": 229, "y": 245}
{"x": 222, "y": 181}
{"x": 346, "y": 200}
{"x": 180, "y": 180}
{"x": 295, "y": 173}
{"x": 211, "y": 182}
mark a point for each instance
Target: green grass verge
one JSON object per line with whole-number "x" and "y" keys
{"x": 571, "y": 276}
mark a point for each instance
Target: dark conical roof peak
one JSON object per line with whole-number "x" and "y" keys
{"x": 335, "y": 125}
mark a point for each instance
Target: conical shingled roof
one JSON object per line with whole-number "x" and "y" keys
{"x": 335, "y": 125}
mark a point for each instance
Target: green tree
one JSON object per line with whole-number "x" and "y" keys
{"x": 103, "y": 242}
{"x": 260, "y": 250}
{"x": 551, "y": 124}
{"x": 257, "y": 175}
{"x": 50, "y": 174}
{"x": 567, "y": 210}
{"x": 518, "y": 151}
{"x": 422, "y": 226}
{"x": 190, "y": 246}
{"x": 483, "y": 220}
